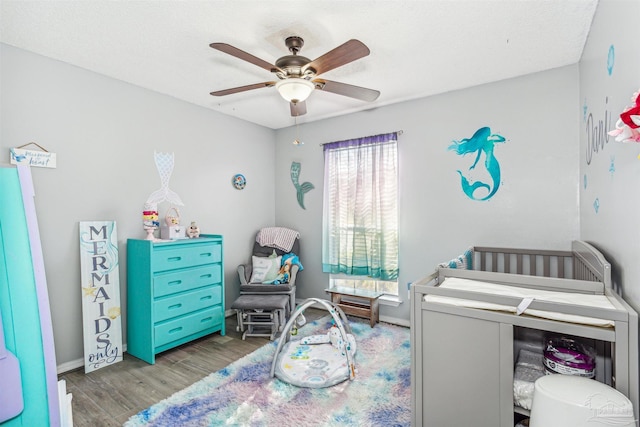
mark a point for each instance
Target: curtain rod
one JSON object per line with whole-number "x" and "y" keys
{"x": 399, "y": 132}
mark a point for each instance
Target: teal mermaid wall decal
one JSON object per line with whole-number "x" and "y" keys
{"x": 301, "y": 189}
{"x": 481, "y": 142}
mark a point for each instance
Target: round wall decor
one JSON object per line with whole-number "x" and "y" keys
{"x": 239, "y": 181}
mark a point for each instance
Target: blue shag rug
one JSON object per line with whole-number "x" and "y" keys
{"x": 244, "y": 394}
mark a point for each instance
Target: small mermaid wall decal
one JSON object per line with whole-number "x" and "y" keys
{"x": 301, "y": 189}
{"x": 481, "y": 142}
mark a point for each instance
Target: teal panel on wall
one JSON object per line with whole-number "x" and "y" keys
{"x": 19, "y": 303}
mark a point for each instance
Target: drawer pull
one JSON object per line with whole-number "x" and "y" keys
{"x": 206, "y": 319}
{"x": 174, "y": 330}
{"x": 205, "y": 297}
{"x": 174, "y": 306}
{"x": 174, "y": 258}
{"x": 205, "y": 254}
{"x": 174, "y": 282}
{"x": 206, "y": 276}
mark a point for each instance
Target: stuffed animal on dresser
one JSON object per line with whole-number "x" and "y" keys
{"x": 193, "y": 231}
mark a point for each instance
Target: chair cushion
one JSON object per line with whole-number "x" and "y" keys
{"x": 266, "y": 288}
{"x": 252, "y": 302}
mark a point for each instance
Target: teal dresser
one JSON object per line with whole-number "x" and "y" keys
{"x": 175, "y": 293}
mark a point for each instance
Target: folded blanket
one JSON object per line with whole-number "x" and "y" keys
{"x": 277, "y": 237}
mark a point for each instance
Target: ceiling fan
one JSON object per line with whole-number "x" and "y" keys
{"x": 298, "y": 75}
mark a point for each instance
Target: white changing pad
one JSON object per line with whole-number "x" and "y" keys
{"x": 587, "y": 300}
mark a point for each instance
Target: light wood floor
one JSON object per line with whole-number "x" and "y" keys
{"x": 109, "y": 396}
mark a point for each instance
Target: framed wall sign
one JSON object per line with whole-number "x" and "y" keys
{"x": 102, "y": 326}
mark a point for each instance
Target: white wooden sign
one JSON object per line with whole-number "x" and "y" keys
{"x": 102, "y": 326}
{"x": 42, "y": 159}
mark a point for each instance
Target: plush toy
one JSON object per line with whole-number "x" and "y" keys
{"x": 628, "y": 125}
{"x": 292, "y": 259}
{"x": 284, "y": 275}
{"x": 335, "y": 337}
{"x": 193, "y": 231}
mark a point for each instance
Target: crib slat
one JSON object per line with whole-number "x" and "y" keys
{"x": 534, "y": 263}
{"x": 577, "y": 269}
{"x": 547, "y": 266}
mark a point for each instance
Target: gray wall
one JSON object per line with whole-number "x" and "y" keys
{"x": 610, "y": 170}
{"x": 104, "y": 133}
{"x": 536, "y": 205}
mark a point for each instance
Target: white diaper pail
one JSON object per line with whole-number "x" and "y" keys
{"x": 571, "y": 401}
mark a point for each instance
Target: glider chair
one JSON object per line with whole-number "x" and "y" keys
{"x": 268, "y": 283}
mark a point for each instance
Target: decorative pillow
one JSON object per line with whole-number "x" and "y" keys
{"x": 468, "y": 259}
{"x": 464, "y": 261}
{"x": 264, "y": 269}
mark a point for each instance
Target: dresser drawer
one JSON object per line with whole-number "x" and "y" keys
{"x": 183, "y": 256}
{"x": 184, "y": 326}
{"x": 169, "y": 307}
{"x": 174, "y": 282}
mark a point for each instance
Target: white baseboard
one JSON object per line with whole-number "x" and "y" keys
{"x": 69, "y": 366}
{"x": 78, "y": 363}
{"x": 395, "y": 321}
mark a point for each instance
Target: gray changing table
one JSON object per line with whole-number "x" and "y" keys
{"x": 463, "y": 358}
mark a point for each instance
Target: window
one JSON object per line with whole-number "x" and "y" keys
{"x": 360, "y": 213}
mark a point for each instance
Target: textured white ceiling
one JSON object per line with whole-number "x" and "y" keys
{"x": 418, "y": 48}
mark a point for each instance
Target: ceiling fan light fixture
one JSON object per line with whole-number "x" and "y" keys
{"x": 295, "y": 89}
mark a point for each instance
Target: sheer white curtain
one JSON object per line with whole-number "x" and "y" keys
{"x": 360, "y": 207}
